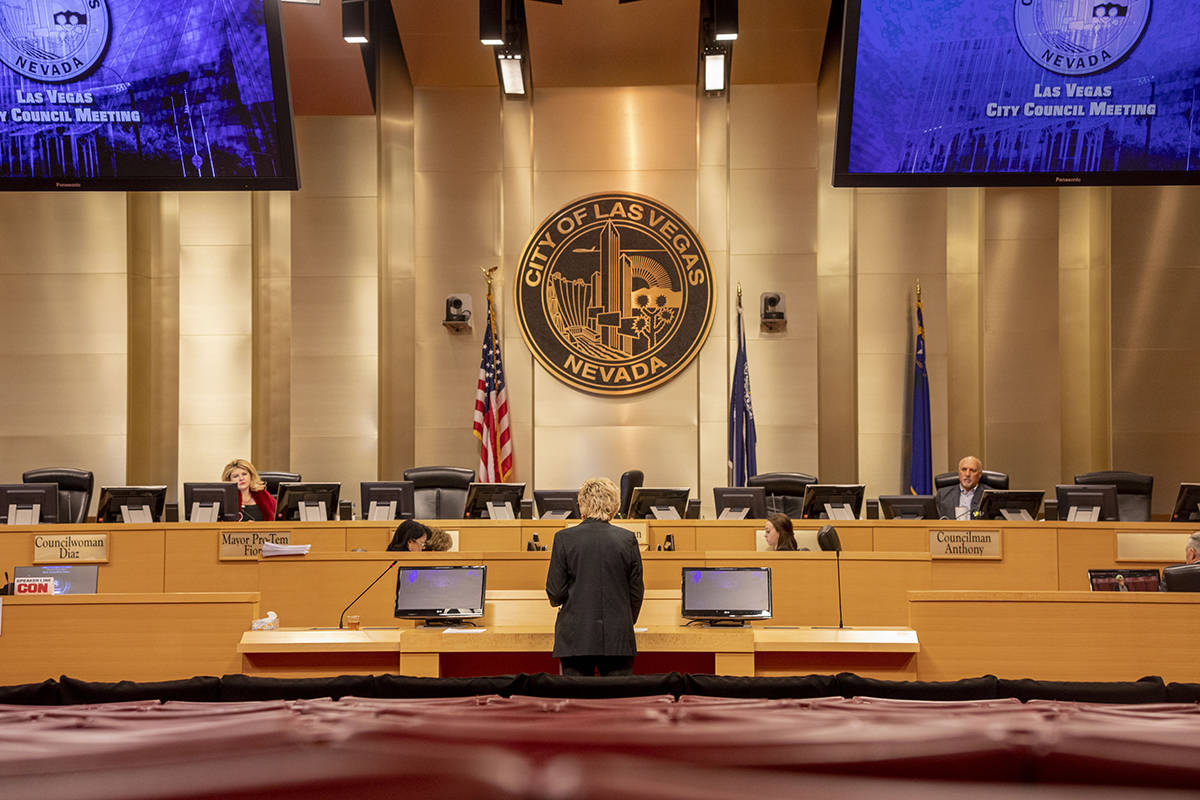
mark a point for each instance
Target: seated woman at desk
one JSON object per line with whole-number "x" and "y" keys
{"x": 410, "y": 537}
{"x": 257, "y": 504}
{"x": 779, "y": 532}
{"x": 439, "y": 541}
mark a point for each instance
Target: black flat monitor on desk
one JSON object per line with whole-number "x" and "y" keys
{"x": 1123, "y": 580}
{"x": 308, "y": 502}
{"x": 725, "y": 595}
{"x": 1187, "y": 503}
{"x": 493, "y": 500}
{"x": 556, "y": 503}
{"x": 382, "y": 500}
{"x": 833, "y": 501}
{"x": 650, "y": 503}
{"x": 131, "y": 503}
{"x": 68, "y": 578}
{"x": 211, "y": 502}
{"x": 1010, "y": 504}
{"x": 440, "y": 595}
{"x": 740, "y": 502}
{"x": 1087, "y": 502}
{"x": 29, "y": 503}
{"x": 908, "y": 506}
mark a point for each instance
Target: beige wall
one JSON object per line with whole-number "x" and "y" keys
{"x": 1028, "y": 367}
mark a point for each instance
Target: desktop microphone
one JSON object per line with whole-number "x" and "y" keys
{"x": 828, "y": 539}
{"x": 342, "y": 618}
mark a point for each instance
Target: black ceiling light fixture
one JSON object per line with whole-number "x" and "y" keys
{"x": 718, "y": 29}
{"x": 354, "y": 21}
{"x": 502, "y": 27}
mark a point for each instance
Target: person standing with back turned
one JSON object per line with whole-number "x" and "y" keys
{"x": 596, "y": 576}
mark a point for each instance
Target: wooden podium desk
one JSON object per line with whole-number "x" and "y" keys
{"x": 111, "y": 637}
{"x": 1068, "y": 636}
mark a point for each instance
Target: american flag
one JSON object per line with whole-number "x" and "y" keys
{"x": 491, "y": 409}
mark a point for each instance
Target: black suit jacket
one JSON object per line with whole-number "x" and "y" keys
{"x": 947, "y": 500}
{"x": 596, "y": 576}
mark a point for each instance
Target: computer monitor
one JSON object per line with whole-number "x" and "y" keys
{"x": 1123, "y": 580}
{"x": 556, "y": 503}
{"x": 68, "y": 578}
{"x": 392, "y": 499}
{"x": 440, "y": 594}
{"x": 29, "y": 503}
{"x": 1011, "y": 504}
{"x": 131, "y": 503}
{"x": 308, "y": 502}
{"x": 908, "y": 506}
{"x": 1187, "y": 503}
{"x": 1088, "y": 502}
{"x": 740, "y": 502}
{"x": 493, "y": 500}
{"x": 730, "y": 594}
{"x": 832, "y": 501}
{"x": 211, "y": 502}
{"x": 650, "y": 503}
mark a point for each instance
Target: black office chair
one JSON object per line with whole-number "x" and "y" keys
{"x": 630, "y": 480}
{"x": 785, "y": 491}
{"x": 1134, "y": 491}
{"x": 74, "y": 490}
{"x": 988, "y": 479}
{"x": 273, "y": 479}
{"x": 1181, "y": 578}
{"x": 439, "y": 492}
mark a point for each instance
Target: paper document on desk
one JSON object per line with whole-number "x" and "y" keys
{"x": 464, "y": 630}
{"x": 272, "y": 549}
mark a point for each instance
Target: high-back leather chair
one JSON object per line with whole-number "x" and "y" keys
{"x": 439, "y": 492}
{"x": 785, "y": 491}
{"x": 1181, "y": 578}
{"x": 74, "y": 490}
{"x": 988, "y": 479}
{"x": 273, "y": 479}
{"x": 630, "y": 480}
{"x": 1134, "y": 491}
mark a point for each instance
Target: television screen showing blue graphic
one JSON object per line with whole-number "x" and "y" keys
{"x": 1019, "y": 92}
{"x": 132, "y": 94}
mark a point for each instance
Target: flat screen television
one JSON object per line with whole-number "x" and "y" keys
{"x": 480, "y": 494}
{"x": 131, "y": 503}
{"x": 1123, "y": 580}
{"x": 68, "y": 578}
{"x": 741, "y": 502}
{"x": 645, "y": 500}
{"x": 1187, "y": 503}
{"x": 844, "y": 499}
{"x": 20, "y": 499}
{"x": 1010, "y": 503}
{"x": 383, "y": 494}
{"x": 440, "y": 594}
{"x": 726, "y": 593}
{"x": 556, "y": 503}
{"x": 220, "y": 497}
{"x": 1101, "y": 496}
{"x": 1018, "y": 93}
{"x": 908, "y": 506}
{"x": 308, "y": 501}
{"x": 134, "y": 95}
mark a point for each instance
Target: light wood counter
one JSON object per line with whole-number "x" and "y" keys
{"x": 110, "y": 637}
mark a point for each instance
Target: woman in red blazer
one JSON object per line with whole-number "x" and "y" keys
{"x": 257, "y": 503}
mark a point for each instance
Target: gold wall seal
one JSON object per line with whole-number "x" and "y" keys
{"x": 614, "y": 294}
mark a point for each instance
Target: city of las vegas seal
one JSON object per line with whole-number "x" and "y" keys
{"x": 614, "y": 294}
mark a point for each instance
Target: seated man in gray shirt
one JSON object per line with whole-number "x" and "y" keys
{"x": 961, "y": 501}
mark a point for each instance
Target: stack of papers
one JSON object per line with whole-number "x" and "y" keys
{"x": 272, "y": 549}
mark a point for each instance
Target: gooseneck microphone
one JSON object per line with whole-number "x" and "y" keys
{"x": 342, "y": 618}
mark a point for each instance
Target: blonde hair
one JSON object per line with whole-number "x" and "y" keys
{"x": 438, "y": 540}
{"x": 599, "y": 499}
{"x": 256, "y": 483}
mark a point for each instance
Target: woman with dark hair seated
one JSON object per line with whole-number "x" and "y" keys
{"x": 410, "y": 536}
{"x": 779, "y": 532}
